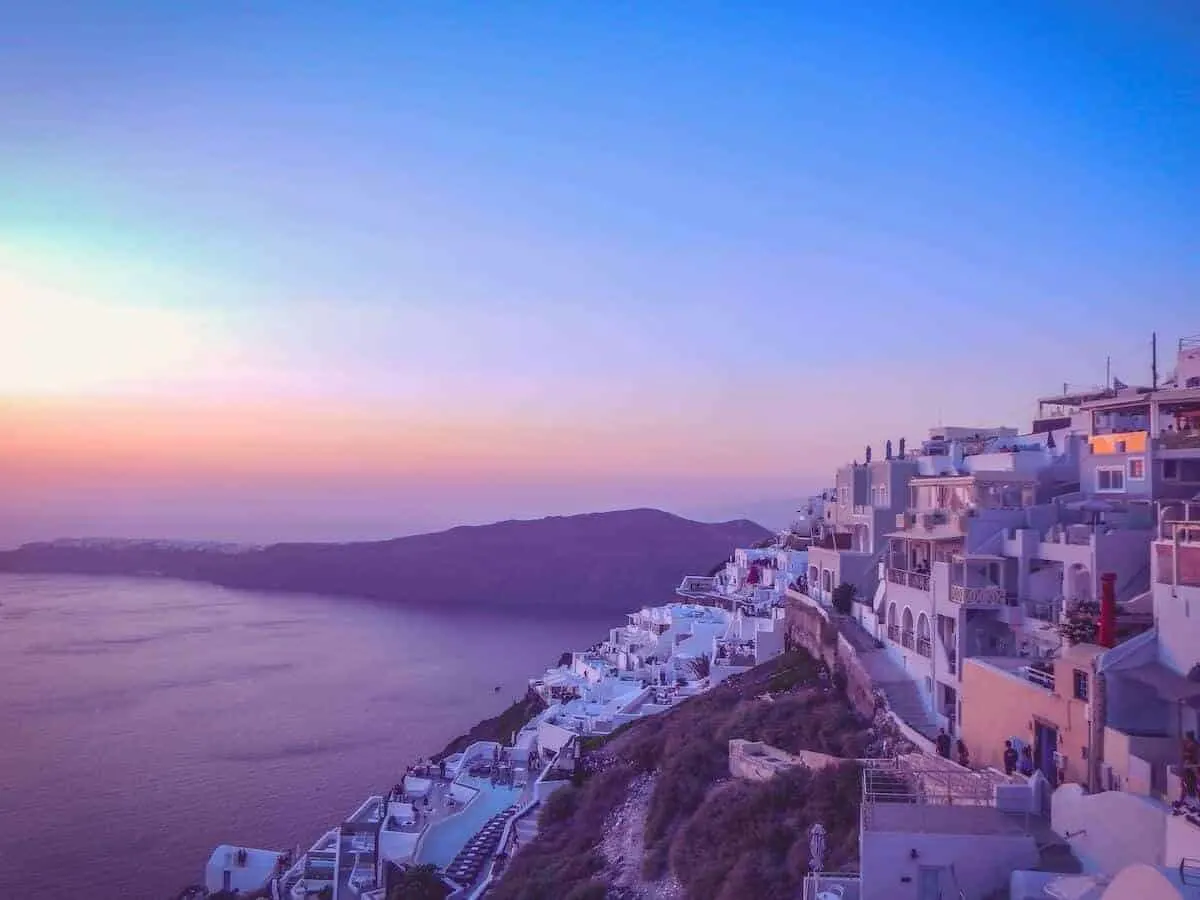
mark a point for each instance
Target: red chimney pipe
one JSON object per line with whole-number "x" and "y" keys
{"x": 1107, "y": 636}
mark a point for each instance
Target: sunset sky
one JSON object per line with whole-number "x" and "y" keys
{"x": 328, "y": 270}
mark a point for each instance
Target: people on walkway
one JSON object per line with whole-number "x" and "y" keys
{"x": 1189, "y": 769}
{"x": 1025, "y": 766}
{"x": 1010, "y": 758}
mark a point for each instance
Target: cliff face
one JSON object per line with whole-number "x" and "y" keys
{"x": 601, "y": 562}
{"x": 656, "y": 815}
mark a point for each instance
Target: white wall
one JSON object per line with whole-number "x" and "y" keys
{"x": 1183, "y": 840}
{"x": 553, "y": 737}
{"x": 1178, "y": 619}
{"x": 398, "y": 846}
{"x": 768, "y": 643}
{"x": 1109, "y": 830}
{"x": 718, "y": 673}
{"x": 981, "y": 863}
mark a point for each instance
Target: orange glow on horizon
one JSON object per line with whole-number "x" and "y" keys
{"x": 61, "y": 440}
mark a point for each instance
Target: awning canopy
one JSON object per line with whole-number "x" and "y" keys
{"x": 1167, "y": 684}
{"x": 936, "y": 533}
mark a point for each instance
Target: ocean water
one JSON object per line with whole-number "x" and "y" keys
{"x": 143, "y": 722}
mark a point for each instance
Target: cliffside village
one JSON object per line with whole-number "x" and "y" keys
{"x": 1015, "y": 603}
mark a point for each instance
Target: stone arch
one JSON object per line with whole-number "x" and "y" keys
{"x": 906, "y": 622}
{"x": 923, "y": 626}
{"x": 891, "y": 620}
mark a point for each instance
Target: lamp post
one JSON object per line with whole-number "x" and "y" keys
{"x": 818, "y": 841}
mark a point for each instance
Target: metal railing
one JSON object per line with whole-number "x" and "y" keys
{"x": 819, "y": 885}
{"x": 977, "y": 596}
{"x": 907, "y": 640}
{"x": 918, "y": 580}
{"x": 1039, "y": 677}
{"x": 893, "y": 633}
{"x": 1178, "y": 440}
{"x": 924, "y": 646}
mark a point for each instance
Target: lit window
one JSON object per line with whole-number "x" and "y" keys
{"x": 1110, "y": 479}
{"x": 1137, "y": 468}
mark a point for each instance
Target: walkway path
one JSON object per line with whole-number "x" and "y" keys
{"x": 904, "y": 697}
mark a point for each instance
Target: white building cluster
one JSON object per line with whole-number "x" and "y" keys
{"x": 1030, "y": 592}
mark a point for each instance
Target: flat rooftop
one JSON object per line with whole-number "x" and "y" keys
{"x": 940, "y": 818}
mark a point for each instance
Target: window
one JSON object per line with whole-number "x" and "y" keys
{"x": 1137, "y": 468}
{"x": 843, "y": 495}
{"x": 1081, "y": 685}
{"x": 1110, "y": 479}
{"x": 1170, "y": 469}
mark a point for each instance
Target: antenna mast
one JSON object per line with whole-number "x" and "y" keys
{"x": 1154, "y": 360}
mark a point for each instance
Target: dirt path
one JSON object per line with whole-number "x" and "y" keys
{"x": 623, "y": 847}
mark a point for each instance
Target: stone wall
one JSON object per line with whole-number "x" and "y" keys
{"x": 756, "y": 761}
{"x": 817, "y": 632}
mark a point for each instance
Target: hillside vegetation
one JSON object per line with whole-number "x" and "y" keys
{"x": 598, "y": 563}
{"x": 715, "y": 837}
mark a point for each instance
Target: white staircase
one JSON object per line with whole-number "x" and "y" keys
{"x": 904, "y": 699}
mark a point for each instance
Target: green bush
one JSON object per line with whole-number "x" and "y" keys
{"x": 559, "y": 806}
{"x": 589, "y": 890}
{"x": 843, "y": 598}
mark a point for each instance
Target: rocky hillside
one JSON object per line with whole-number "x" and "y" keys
{"x": 659, "y": 817}
{"x": 601, "y": 562}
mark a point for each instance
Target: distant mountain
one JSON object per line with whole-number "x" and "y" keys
{"x": 775, "y": 514}
{"x": 599, "y": 562}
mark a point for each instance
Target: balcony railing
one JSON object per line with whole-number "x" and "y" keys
{"x": 1179, "y": 440}
{"x": 894, "y": 633}
{"x": 924, "y": 647}
{"x": 1039, "y": 676}
{"x": 977, "y": 596}
{"x": 952, "y": 661}
{"x": 907, "y": 640}
{"x": 918, "y": 580}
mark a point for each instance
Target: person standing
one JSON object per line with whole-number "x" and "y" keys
{"x": 1189, "y": 764}
{"x": 1010, "y": 758}
{"x": 964, "y": 755}
{"x": 943, "y": 743}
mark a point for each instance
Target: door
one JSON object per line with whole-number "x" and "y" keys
{"x": 929, "y": 883}
{"x": 1045, "y": 744}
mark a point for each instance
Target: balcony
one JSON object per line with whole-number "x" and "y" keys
{"x": 836, "y": 541}
{"x": 924, "y": 647}
{"x": 894, "y": 633}
{"x": 905, "y": 578}
{"x": 1178, "y": 440}
{"x": 988, "y": 596}
{"x": 907, "y": 640}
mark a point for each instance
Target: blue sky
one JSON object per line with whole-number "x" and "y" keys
{"x": 757, "y": 237}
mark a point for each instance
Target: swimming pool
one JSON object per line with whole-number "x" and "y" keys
{"x": 447, "y": 837}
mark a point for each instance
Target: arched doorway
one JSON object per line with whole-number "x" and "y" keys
{"x": 906, "y": 628}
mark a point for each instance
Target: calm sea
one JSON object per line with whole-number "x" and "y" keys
{"x": 142, "y": 722}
